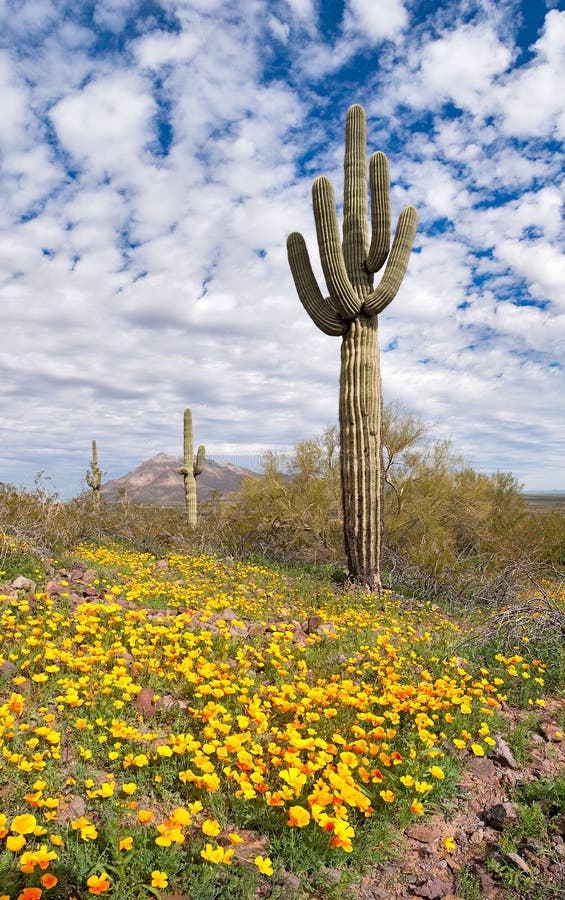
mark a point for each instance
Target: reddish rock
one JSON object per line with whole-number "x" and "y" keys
{"x": 551, "y": 731}
{"x": 311, "y": 625}
{"x": 425, "y": 834}
{"x": 519, "y": 862}
{"x": 144, "y": 702}
{"x": 298, "y": 636}
{"x": 8, "y": 669}
{"x": 482, "y": 766}
{"x": 503, "y": 754}
{"x": 54, "y": 588}
{"x": 434, "y": 889}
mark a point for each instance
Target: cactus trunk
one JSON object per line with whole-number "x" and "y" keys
{"x": 362, "y": 479}
{"x": 351, "y": 311}
{"x": 190, "y": 469}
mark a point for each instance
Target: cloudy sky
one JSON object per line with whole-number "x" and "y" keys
{"x": 155, "y": 154}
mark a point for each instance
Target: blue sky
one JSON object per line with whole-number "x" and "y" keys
{"x": 154, "y": 156}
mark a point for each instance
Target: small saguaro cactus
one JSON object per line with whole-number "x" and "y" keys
{"x": 191, "y": 468}
{"x": 94, "y": 477}
{"x": 351, "y": 312}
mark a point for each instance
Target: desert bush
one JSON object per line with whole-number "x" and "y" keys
{"x": 292, "y": 513}
{"x": 34, "y": 525}
{"x": 455, "y": 533}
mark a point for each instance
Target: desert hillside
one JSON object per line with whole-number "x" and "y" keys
{"x": 157, "y": 481}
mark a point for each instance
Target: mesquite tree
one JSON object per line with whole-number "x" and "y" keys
{"x": 351, "y": 311}
{"x": 191, "y": 468}
{"x": 94, "y": 477}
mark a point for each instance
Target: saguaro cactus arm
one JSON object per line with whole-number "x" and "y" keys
{"x": 380, "y": 212}
{"x": 355, "y": 202}
{"x": 320, "y": 309}
{"x": 198, "y": 465}
{"x": 397, "y": 263}
{"x": 344, "y": 298}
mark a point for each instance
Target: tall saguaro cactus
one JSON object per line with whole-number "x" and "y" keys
{"x": 191, "y": 468}
{"x": 351, "y": 312}
{"x": 94, "y": 477}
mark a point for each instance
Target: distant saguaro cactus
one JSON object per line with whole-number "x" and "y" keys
{"x": 351, "y": 312}
{"x": 191, "y": 468}
{"x": 94, "y": 477}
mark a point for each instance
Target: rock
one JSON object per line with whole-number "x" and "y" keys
{"x": 8, "y": 669}
{"x": 74, "y": 808}
{"x": 509, "y": 779}
{"x": 311, "y": 625}
{"x": 161, "y": 564}
{"x": 21, "y": 583}
{"x": 54, "y": 588}
{"x": 227, "y": 615}
{"x": 534, "y": 845}
{"x": 290, "y": 881}
{"x": 299, "y": 636}
{"x": 256, "y": 628}
{"x": 483, "y": 767}
{"x": 477, "y": 836}
{"x": 519, "y": 862}
{"x": 550, "y": 730}
{"x": 487, "y": 885}
{"x": 433, "y": 889}
{"x": 167, "y": 701}
{"x": 144, "y": 702}
{"x": 500, "y": 815}
{"x": 423, "y": 833}
{"x": 474, "y": 806}
{"x": 124, "y": 658}
{"x": 503, "y": 754}
{"x": 89, "y": 576}
{"x": 332, "y": 876}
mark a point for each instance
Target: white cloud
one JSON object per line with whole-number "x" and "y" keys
{"x": 542, "y": 265}
{"x": 163, "y": 48}
{"x": 530, "y": 101}
{"x": 107, "y": 124}
{"x": 281, "y": 30}
{"x": 462, "y": 65}
{"x": 303, "y": 9}
{"x": 376, "y": 22}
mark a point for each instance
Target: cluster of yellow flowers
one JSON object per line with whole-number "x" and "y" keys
{"x": 320, "y": 731}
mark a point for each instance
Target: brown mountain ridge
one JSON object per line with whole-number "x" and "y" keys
{"x": 156, "y": 481}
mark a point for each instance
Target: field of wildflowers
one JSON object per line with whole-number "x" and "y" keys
{"x": 196, "y": 727}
